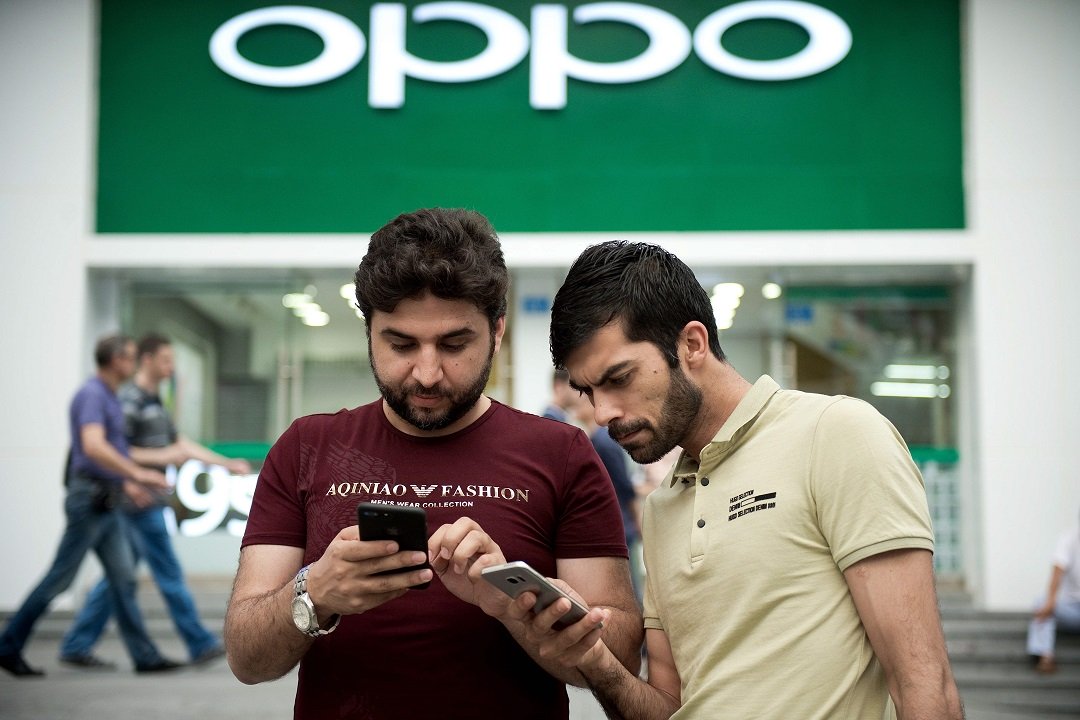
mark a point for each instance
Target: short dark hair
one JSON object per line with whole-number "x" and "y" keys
{"x": 109, "y": 347}
{"x": 650, "y": 291}
{"x": 453, "y": 253}
{"x": 151, "y": 343}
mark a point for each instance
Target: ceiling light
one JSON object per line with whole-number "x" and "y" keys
{"x": 347, "y": 291}
{"x": 305, "y": 309}
{"x": 293, "y": 300}
{"x": 728, "y": 289}
{"x": 316, "y": 319}
{"x": 912, "y": 389}
{"x": 916, "y": 372}
{"x": 771, "y": 291}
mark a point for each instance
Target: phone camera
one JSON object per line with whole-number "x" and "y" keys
{"x": 513, "y": 580}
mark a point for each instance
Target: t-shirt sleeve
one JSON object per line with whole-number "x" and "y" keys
{"x": 90, "y": 409}
{"x": 868, "y": 492}
{"x": 590, "y": 522}
{"x": 1065, "y": 552}
{"x": 277, "y": 512}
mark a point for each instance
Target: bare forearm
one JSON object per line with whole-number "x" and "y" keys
{"x": 260, "y": 640}
{"x": 930, "y": 701}
{"x": 153, "y": 457}
{"x": 108, "y": 457}
{"x": 200, "y": 452}
{"x": 623, "y": 695}
{"x": 1055, "y": 585}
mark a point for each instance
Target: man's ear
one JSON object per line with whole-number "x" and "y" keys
{"x": 694, "y": 341}
{"x": 500, "y": 329}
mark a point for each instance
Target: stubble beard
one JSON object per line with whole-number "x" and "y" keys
{"x": 425, "y": 419}
{"x": 680, "y": 408}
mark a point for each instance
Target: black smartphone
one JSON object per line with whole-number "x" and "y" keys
{"x": 514, "y": 578}
{"x": 407, "y": 526}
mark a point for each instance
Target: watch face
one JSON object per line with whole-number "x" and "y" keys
{"x": 301, "y": 615}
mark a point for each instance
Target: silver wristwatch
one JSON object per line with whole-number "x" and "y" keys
{"x": 303, "y": 611}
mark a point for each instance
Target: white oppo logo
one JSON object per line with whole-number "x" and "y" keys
{"x": 508, "y": 42}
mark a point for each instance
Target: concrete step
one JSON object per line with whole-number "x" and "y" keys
{"x": 994, "y": 672}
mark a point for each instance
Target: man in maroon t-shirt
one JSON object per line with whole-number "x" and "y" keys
{"x": 498, "y": 484}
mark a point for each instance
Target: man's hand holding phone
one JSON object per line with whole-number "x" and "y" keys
{"x": 556, "y": 620}
{"x": 459, "y": 551}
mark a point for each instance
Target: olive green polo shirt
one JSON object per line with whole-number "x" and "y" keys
{"x": 745, "y": 552}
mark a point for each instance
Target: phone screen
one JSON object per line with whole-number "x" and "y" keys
{"x": 407, "y": 526}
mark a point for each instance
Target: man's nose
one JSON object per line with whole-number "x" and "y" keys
{"x": 604, "y": 410}
{"x": 427, "y": 370}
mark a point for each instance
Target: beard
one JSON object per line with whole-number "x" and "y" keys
{"x": 681, "y": 407}
{"x": 461, "y": 400}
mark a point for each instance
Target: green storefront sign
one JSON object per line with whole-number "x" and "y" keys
{"x": 229, "y": 116}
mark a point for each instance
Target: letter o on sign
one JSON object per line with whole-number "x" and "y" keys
{"x": 830, "y": 40}
{"x": 343, "y": 46}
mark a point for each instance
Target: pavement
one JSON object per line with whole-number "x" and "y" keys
{"x": 208, "y": 691}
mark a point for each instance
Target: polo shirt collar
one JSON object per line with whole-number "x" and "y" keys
{"x": 731, "y": 432}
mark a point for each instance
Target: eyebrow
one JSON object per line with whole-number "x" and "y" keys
{"x": 613, "y": 370}
{"x": 465, "y": 333}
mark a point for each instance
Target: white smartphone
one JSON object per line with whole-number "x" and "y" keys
{"x": 514, "y": 578}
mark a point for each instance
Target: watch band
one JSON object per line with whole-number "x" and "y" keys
{"x": 301, "y": 596}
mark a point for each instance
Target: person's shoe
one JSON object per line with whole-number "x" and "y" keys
{"x": 159, "y": 665}
{"x": 15, "y": 664}
{"x": 1046, "y": 666}
{"x": 209, "y": 655}
{"x": 87, "y": 662}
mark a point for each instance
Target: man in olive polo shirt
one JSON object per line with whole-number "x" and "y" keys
{"x": 788, "y": 552}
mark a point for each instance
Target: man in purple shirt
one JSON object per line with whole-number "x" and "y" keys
{"x": 100, "y": 470}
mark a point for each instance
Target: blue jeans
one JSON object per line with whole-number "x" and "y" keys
{"x": 150, "y": 539}
{"x": 103, "y": 532}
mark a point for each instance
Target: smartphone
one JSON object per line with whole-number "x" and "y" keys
{"x": 407, "y": 526}
{"x": 514, "y": 578}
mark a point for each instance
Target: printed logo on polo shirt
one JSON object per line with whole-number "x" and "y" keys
{"x": 749, "y": 502}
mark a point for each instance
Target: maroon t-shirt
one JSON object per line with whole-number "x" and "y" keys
{"x": 535, "y": 485}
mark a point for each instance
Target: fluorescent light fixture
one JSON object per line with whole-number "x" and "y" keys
{"x": 910, "y": 389}
{"x": 917, "y": 372}
{"x": 728, "y": 289}
{"x": 771, "y": 291}
{"x": 294, "y": 300}
{"x": 316, "y": 319}
{"x": 347, "y": 291}
{"x": 305, "y": 309}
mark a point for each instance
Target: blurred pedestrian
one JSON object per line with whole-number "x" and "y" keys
{"x": 99, "y": 472}
{"x": 563, "y": 397}
{"x": 616, "y": 461}
{"x": 155, "y": 442}
{"x": 1060, "y": 608}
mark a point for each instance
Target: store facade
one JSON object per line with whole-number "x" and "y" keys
{"x": 841, "y": 163}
